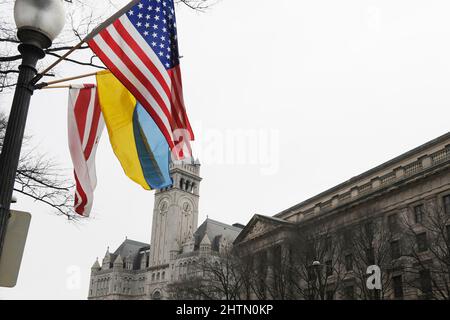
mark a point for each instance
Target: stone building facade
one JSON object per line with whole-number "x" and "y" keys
{"x": 137, "y": 270}
{"x": 403, "y": 189}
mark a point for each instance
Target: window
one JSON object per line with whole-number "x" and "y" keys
{"x": 370, "y": 256}
{"x": 392, "y": 222}
{"x": 375, "y": 294}
{"x": 181, "y": 183}
{"x": 447, "y": 204}
{"x": 397, "y": 283}
{"x": 348, "y": 238}
{"x": 422, "y": 243}
{"x": 418, "y": 213}
{"x": 425, "y": 281}
{"x": 330, "y": 295}
{"x": 329, "y": 268}
{"x": 310, "y": 294}
{"x": 349, "y": 293}
{"x": 310, "y": 249}
{"x": 349, "y": 262}
{"x": 277, "y": 258}
{"x": 368, "y": 229}
{"x": 328, "y": 244}
{"x": 448, "y": 234}
{"x": 395, "y": 249}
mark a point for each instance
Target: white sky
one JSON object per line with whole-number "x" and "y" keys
{"x": 328, "y": 88}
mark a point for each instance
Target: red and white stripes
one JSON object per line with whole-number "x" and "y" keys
{"x": 85, "y": 126}
{"x": 130, "y": 58}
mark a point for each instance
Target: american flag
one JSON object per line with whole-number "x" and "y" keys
{"x": 85, "y": 126}
{"x": 139, "y": 46}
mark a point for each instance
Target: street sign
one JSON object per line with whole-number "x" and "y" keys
{"x": 11, "y": 256}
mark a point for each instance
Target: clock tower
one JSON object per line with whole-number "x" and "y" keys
{"x": 175, "y": 214}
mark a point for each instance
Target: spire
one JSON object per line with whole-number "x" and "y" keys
{"x": 96, "y": 265}
{"x": 106, "y": 263}
{"x": 107, "y": 254}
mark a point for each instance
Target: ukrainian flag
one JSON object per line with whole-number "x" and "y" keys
{"x": 135, "y": 138}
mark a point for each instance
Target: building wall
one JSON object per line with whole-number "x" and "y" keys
{"x": 420, "y": 176}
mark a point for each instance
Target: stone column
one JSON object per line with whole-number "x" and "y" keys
{"x": 270, "y": 271}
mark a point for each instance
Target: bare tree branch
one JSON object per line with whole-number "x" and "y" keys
{"x": 40, "y": 179}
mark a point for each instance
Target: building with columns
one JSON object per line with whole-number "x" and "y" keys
{"x": 395, "y": 216}
{"x": 138, "y": 270}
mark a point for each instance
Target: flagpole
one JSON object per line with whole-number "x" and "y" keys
{"x": 58, "y": 87}
{"x": 87, "y": 38}
{"x": 40, "y": 75}
{"x": 43, "y": 85}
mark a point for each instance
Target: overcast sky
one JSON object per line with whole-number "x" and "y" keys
{"x": 287, "y": 98}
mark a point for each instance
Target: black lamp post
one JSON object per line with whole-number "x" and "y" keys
{"x": 38, "y": 23}
{"x": 317, "y": 267}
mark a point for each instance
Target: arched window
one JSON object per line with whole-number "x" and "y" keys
{"x": 163, "y": 275}
{"x": 156, "y": 295}
{"x": 182, "y": 184}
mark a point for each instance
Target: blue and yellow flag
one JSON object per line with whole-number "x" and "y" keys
{"x": 135, "y": 138}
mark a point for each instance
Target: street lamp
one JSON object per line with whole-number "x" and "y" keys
{"x": 317, "y": 265}
{"x": 38, "y": 23}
